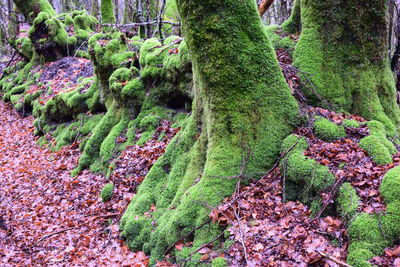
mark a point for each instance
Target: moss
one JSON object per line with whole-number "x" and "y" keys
{"x": 108, "y": 146}
{"x": 379, "y": 148}
{"x": 219, "y": 262}
{"x": 118, "y": 78}
{"x": 327, "y": 130}
{"x": 347, "y": 201}
{"x": 134, "y": 91}
{"x": 228, "y": 121}
{"x": 277, "y": 40}
{"x": 107, "y": 11}
{"x": 351, "y": 123}
{"x": 342, "y": 52}
{"x": 376, "y": 128}
{"x": 107, "y": 192}
{"x": 390, "y": 186}
{"x": 370, "y": 234}
{"x": 31, "y": 8}
{"x": 305, "y": 178}
{"x": 293, "y": 23}
{"x": 91, "y": 152}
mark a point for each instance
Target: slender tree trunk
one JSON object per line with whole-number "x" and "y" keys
{"x": 107, "y": 11}
{"x": 242, "y": 111}
{"x": 343, "y": 50}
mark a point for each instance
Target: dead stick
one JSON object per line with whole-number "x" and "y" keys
{"x": 55, "y": 233}
{"x": 341, "y": 263}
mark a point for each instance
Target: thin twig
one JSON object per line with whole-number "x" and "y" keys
{"x": 329, "y": 257}
{"x": 55, "y": 233}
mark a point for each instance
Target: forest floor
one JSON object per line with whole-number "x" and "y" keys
{"x": 48, "y": 217}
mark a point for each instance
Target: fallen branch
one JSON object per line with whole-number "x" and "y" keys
{"x": 129, "y": 25}
{"x": 50, "y": 235}
{"x": 341, "y": 263}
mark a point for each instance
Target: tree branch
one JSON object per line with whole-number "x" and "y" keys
{"x": 264, "y": 5}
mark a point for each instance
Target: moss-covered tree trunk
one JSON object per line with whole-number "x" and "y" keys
{"x": 343, "y": 50}
{"x": 293, "y": 23}
{"x": 31, "y": 8}
{"x": 107, "y": 11}
{"x": 242, "y": 111}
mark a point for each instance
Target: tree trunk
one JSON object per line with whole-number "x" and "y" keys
{"x": 35, "y": 7}
{"x": 293, "y": 23}
{"x": 107, "y": 11}
{"x": 242, "y": 111}
{"x": 343, "y": 51}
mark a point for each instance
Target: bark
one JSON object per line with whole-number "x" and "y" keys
{"x": 264, "y": 5}
{"x": 242, "y": 111}
{"x": 343, "y": 50}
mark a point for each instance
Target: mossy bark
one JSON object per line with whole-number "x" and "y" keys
{"x": 242, "y": 110}
{"x": 31, "y": 8}
{"x": 293, "y": 23}
{"x": 107, "y": 11}
{"x": 343, "y": 52}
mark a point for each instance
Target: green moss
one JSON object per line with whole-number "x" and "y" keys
{"x": 293, "y": 23}
{"x": 118, "y": 77}
{"x": 91, "y": 152}
{"x": 107, "y": 192}
{"x": 377, "y": 148}
{"x": 327, "y": 130}
{"x": 277, "y": 40}
{"x": 223, "y": 127}
{"x": 305, "y": 178}
{"x": 351, "y": 123}
{"x": 107, "y": 11}
{"x": 347, "y": 201}
{"x": 376, "y": 127}
{"x": 342, "y": 52}
{"x": 370, "y": 234}
{"x": 108, "y": 146}
{"x": 219, "y": 262}
{"x": 390, "y": 186}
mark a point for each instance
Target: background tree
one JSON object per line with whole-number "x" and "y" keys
{"x": 343, "y": 50}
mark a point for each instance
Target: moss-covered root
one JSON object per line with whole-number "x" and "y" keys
{"x": 305, "y": 177}
{"x": 370, "y": 234}
{"x": 343, "y": 51}
{"x": 236, "y": 127}
{"x": 100, "y": 145}
{"x": 377, "y": 145}
{"x": 347, "y": 201}
{"x": 293, "y": 23}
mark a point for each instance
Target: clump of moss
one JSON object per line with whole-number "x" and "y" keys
{"x": 347, "y": 201}
{"x": 351, "y": 123}
{"x": 390, "y": 186}
{"x": 277, "y": 40}
{"x": 377, "y": 145}
{"x": 327, "y": 130}
{"x": 305, "y": 177}
{"x": 370, "y": 234}
{"x": 107, "y": 192}
{"x": 219, "y": 262}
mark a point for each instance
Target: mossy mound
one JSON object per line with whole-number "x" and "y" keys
{"x": 305, "y": 177}
{"x": 327, "y": 130}
{"x": 107, "y": 192}
{"x": 377, "y": 145}
{"x": 347, "y": 202}
{"x": 371, "y": 234}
